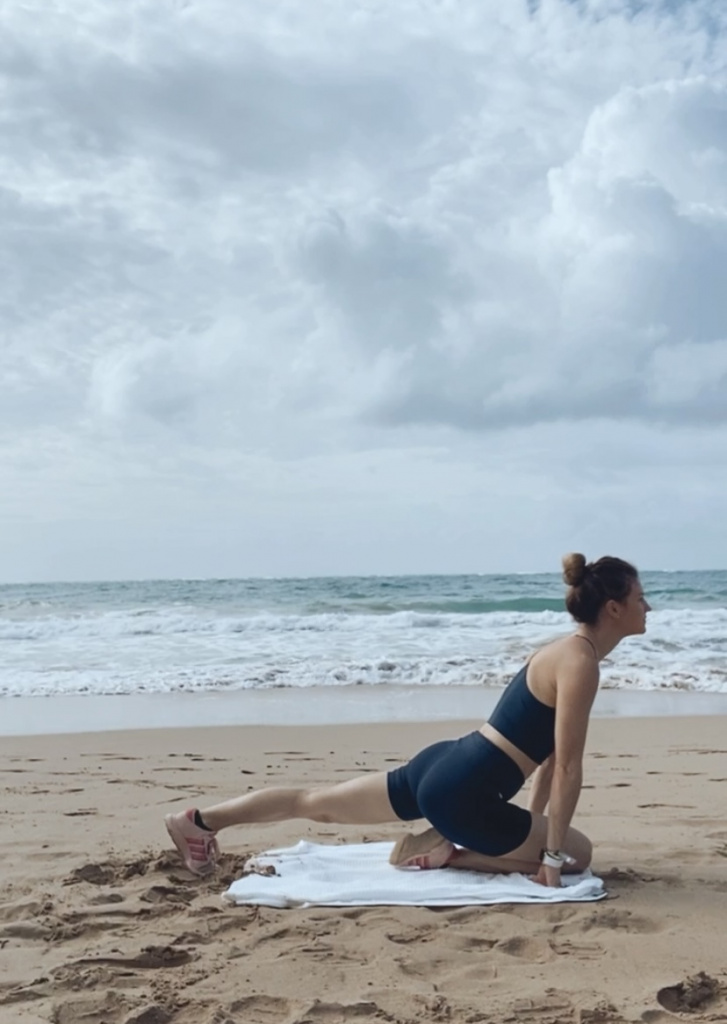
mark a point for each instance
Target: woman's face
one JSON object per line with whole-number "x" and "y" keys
{"x": 634, "y": 609}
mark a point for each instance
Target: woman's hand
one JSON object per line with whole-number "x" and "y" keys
{"x": 548, "y": 876}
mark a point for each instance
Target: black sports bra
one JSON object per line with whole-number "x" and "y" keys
{"x": 524, "y": 720}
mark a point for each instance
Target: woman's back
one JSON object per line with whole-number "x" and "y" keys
{"x": 523, "y": 721}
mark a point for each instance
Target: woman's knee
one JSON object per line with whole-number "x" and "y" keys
{"x": 580, "y": 847}
{"x": 315, "y": 805}
{"x": 576, "y": 844}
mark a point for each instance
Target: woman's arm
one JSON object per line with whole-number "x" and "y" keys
{"x": 540, "y": 789}
{"x": 576, "y": 688}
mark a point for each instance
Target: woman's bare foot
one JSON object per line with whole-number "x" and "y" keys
{"x": 423, "y": 850}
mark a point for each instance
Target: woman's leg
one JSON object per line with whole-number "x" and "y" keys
{"x": 430, "y": 849}
{"x": 526, "y": 858}
{"x": 459, "y": 793}
{"x": 361, "y": 801}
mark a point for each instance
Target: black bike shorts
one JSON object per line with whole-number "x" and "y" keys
{"x": 462, "y": 787}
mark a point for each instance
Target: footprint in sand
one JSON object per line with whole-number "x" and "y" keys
{"x": 700, "y": 992}
{"x": 339, "y": 1013}
{"x": 12, "y": 994}
{"x": 577, "y": 950}
{"x": 25, "y": 930}
{"x": 616, "y": 920}
{"x": 107, "y": 872}
{"x": 261, "y": 1009}
{"x": 19, "y": 910}
{"x": 150, "y": 958}
{"x": 274, "y": 935}
{"x": 185, "y": 787}
{"x": 111, "y": 1008}
{"x": 559, "y": 916}
{"x": 471, "y": 943}
{"x": 106, "y": 897}
{"x": 114, "y": 757}
{"x": 273, "y": 753}
{"x": 683, "y": 807}
{"x": 525, "y": 948}
{"x": 602, "y": 1013}
{"x": 426, "y": 969}
{"x": 413, "y": 935}
{"x": 74, "y": 979}
{"x": 695, "y": 750}
{"x": 627, "y": 875}
{"x": 167, "y": 894}
{"x": 136, "y": 782}
{"x": 219, "y": 923}
{"x": 151, "y": 1015}
{"x": 550, "y": 1008}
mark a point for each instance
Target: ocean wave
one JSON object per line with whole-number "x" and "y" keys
{"x": 164, "y": 622}
{"x": 236, "y": 635}
{"x": 169, "y": 671}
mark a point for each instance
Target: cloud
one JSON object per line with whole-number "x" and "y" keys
{"x": 239, "y": 238}
{"x": 391, "y": 218}
{"x": 596, "y": 294}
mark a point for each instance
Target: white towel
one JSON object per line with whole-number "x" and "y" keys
{"x": 310, "y": 874}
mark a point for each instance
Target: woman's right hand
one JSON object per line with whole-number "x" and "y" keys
{"x": 548, "y": 876}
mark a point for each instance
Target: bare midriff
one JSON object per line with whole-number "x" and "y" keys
{"x": 526, "y": 765}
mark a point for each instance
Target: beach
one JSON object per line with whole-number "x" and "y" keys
{"x": 363, "y": 381}
{"x": 100, "y": 922}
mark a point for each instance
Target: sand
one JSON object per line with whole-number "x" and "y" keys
{"x": 99, "y": 922}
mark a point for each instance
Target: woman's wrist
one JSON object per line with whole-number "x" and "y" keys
{"x": 555, "y": 858}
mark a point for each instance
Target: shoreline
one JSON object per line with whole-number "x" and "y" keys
{"x": 86, "y": 713}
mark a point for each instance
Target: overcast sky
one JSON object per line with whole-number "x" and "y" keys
{"x": 301, "y": 288}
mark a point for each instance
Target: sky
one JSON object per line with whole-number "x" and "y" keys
{"x": 361, "y": 288}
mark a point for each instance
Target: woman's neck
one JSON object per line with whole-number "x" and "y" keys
{"x": 590, "y": 641}
{"x": 601, "y": 640}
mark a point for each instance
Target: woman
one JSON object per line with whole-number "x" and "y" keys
{"x": 463, "y": 787}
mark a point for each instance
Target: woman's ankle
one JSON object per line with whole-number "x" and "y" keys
{"x": 201, "y": 823}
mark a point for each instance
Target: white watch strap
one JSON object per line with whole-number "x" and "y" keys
{"x": 556, "y": 858}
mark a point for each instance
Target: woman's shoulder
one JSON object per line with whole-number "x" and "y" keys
{"x": 553, "y": 652}
{"x": 564, "y": 658}
{"x": 565, "y": 648}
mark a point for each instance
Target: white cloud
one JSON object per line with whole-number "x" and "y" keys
{"x": 237, "y": 240}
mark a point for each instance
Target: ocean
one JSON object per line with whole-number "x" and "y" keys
{"x": 213, "y": 636}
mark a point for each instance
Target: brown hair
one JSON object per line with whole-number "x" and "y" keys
{"x": 592, "y": 584}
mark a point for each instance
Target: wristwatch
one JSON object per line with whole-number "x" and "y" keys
{"x": 555, "y": 858}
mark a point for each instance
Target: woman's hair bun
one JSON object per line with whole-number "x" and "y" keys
{"x": 574, "y": 569}
{"x": 592, "y": 584}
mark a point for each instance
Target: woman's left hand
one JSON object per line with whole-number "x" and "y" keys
{"x": 548, "y": 876}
